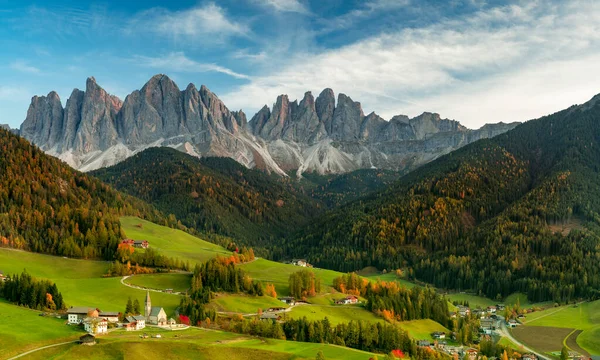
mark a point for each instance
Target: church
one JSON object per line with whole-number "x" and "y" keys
{"x": 154, "y": 315}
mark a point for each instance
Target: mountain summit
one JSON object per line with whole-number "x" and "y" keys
{"x": 96, "y": 129}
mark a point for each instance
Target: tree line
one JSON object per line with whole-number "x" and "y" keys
{"x": 25, "y": 290}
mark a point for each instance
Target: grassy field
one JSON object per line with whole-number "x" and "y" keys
{"x": 197, "y": 344}
{"x": 335, "y": 313}
{"x": 541, "y": 338}
{"x": 422, "y": 329}
{"x": 171, "y": 242}
{"x": 244, "y": 303}
{"x": 80, "y": 281}
{"x": 175, "y": 281}
{"x": 474, "y": 300}
{"x": 23, "y": 329}
{"x": 585, "y": 316}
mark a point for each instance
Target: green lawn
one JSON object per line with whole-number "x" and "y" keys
{"x": 244, "y": 303}
{"x": 175, "y": 281}
{"x": 335, "y": 313}
{"x": 422, "y": 329}
{"x": 22, "y": 329}
{"x": 511, "y": 300}
{"x": 171, "y": 242}
{"x": 81, "y": 282}
{"x": 474, "y": 300}
{"x": 197, "y": 344}
{"x": 585, "y": 316}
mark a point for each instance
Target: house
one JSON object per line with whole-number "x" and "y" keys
{"x": 275, "y": 309}
{"x": 438, "y": 335}
{"x": 488, "y": 326}
{"x": 471, "y": 354}
{"x": 144, "y": 244}
{"x": 500, "y": 307}
{"x": 512, "y": 323}
{"x": 154, "y": 315}
{"x": 348, "y": 300}
{"x": 423, "y": 343}
{"x": 134, "y": 323}
{"x": 110, "y": 316}
{"x": 452, "y": 314}
{"x": 270, "y": 316}
{"x": 491, "y": 309}
{"x": 300, "y": 262}
{"x": 529, "y": 357}
{"x": 463, "y": 310}
{"x": 172, "y": 322}
{"x": 87, "y": 339}
{"x": 95, "y": 325}
{"x": 76, "y": 314}
{"x": 441, "y": 344}
{"x": 2, "y": 277}
{"x": 129, "y": 242}
{"x": 288, "y": 300}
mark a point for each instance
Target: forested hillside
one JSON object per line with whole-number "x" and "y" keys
{"x": 519, "y": 212}
{"x": 46, "y": 206}
{"x": 214, "y": 194}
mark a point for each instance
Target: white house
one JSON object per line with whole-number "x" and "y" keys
{"x": 134, "y": 323}
{"x": 348, "y": 300}
{"x": 76, "y": 314}
{"x": 95, "y": 325}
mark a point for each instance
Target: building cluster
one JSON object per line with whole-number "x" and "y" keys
{"x": 143, "y": 244}
{"x": 301, "y": 262}
{"x": 348, "y": 300}
{"x": 97, "y": 322}
{"x": 2, "y": 277}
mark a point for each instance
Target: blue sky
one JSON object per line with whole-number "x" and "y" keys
{"x": 475, "y": 61}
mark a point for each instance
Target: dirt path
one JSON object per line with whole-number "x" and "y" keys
{"x": 571, "y": 342}
{"x": 543, "y": 316}
{"x": 42, "y": 348}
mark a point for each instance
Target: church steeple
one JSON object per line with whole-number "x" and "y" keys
{"x": 148, "y": 304}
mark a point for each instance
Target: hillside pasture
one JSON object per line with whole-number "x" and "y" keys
{"x": 335, "y": 313}
{"x": 542, "y": 338}
{"x": 422, "y": 329}
{"x": 176, "y": 281}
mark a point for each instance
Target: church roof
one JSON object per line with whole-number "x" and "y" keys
{"x": 155, "y": 310}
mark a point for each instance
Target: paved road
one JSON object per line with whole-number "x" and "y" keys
{"x": 504, "y": 331}
{"x": 42, "y": 348}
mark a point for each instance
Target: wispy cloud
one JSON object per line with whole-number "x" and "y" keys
{"x": 178, "y": 62}
{"x": 210, "y": 21}
{"x": 23, "y": 66}
{"x": 368, "y": 9}
{"x": 294, "y": 6}
{"x": 456, "y": 66}
{"x": 13, "y": 93}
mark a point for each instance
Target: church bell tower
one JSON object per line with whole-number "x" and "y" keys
{"x": 148, "y": 304}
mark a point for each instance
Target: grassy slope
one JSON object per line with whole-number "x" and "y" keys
{"x": 81, "y": 281}
{"x": 198, "y": 344}
{"x": 177, "y": 282}
{"x": 422, "y": 329}
{"x": 23, "y": 329}
{"x": 335, "y": 313}
{"x": 244, "y": 303}
{"x": 584, "y": 317}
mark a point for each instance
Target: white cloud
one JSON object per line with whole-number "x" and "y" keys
{"x": 507, "y": 64}
{"x": 22, "y": 66}
{"x": 368, "y": 9}
{"x": 207, "y": 20}
{"x": 285, "y": 5}
{"x": 13, "y": 93}
{"x": 178, "y": 62}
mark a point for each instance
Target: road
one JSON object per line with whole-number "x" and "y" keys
{"x": 42, "y": 348}
{"x": 505, "y": 332}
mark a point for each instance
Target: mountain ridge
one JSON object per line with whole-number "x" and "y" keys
{"x": 96, "y": 129}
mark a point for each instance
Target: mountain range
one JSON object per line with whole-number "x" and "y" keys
{"x": 322, "y": 135}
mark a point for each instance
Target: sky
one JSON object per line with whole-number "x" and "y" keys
{"x": 475, "y": 61}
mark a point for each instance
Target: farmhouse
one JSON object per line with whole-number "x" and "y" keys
{"x": 463, "y": 310}
{"x": 529, "y": 357}
{"x": 154, "y": 315}
{"x": 144, "y": 244}
{"x": 288, "y": 300}
{"x": 491, "y": 309}
{"x": 95, "y": 325}
{"x": 110, "y": 316}
{"x": 487, "y": 326}
{"x": 512, "y": 323}
{"x": 2, "y": 277}
{"x": 134, "y": 323}
{"x": 471, "y": 354}
{"x": 128, "y": 242}
{"x": 423, "y": 343}
{"x": 438, "y": 335}
{"x": 300, "y": 262}
{"x": 348, "y": 300}
{"x": 87, "y": 339}
{"x": 77, "y": 314}
{"x": 500, "y": 307}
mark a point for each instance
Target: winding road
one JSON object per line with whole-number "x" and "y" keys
{"x": 505, "y": 332}
{"x": 42, "y": 348}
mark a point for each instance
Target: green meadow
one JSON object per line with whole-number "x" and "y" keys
{"x": 197, "y": 344}
{"x": 422, "y": 329}
{"x": 22, "y": 329}
{"x": 335, "y": 313}
{"x": 81, "y": 282}
{"x": 584, "y": 316}
{"x": 176, "y": 281}
{"x": 245, "y": 304}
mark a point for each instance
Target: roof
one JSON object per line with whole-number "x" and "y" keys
{"x": 91, "y": 319}
{"x": 87, "y": 338}
{"x": 269, "y": 316}
{"x": 79, "y": 310}
{"x": 138, "y": 317}
{"x": 286, "y": 298}
{"x": 155, "y": 310}
{"x": 109, "y": 313}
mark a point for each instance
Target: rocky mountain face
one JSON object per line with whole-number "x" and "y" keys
{"x": 96, "y": 129}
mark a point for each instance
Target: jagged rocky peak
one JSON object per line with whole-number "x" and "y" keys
{"x": 43, "y": 124}
{"x": 325, "y": 106}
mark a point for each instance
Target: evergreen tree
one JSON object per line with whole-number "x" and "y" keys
{"x": 129, "y": 307}
{"x": 136, "y": 307}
